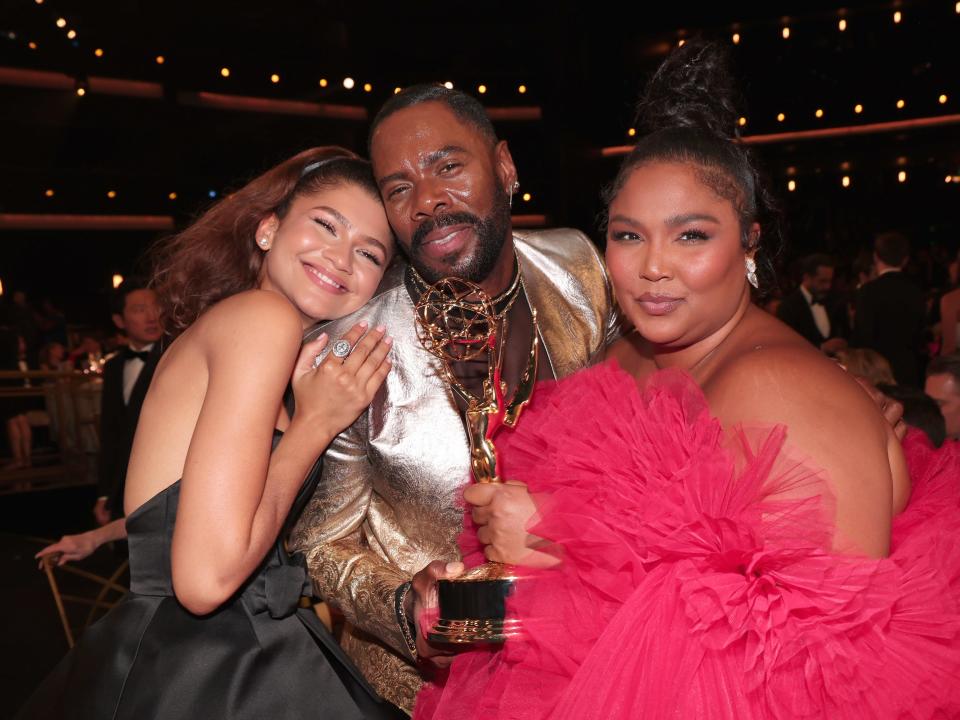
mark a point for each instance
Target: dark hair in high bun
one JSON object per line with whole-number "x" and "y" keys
{"x": 688, "y": 113}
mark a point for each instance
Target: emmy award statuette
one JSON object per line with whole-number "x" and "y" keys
{"x": 456, "y": 322}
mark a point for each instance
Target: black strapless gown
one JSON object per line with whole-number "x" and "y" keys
{"x": 260, "y": 656}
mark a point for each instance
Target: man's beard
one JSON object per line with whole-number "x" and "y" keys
{"x": 491, "y": 234}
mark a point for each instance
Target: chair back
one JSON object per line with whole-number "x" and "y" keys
{"x": 105, "y": 593}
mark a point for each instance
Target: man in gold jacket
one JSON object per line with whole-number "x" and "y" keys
{"x": 384, "y": 520}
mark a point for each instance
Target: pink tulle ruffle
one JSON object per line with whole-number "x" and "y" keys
{"x": 696, "y": 581}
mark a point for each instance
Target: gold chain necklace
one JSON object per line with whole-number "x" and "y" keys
{"x": 508, "y": 296}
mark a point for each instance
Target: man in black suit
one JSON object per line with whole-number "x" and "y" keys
{"x": 126, "y": 377}
{"x": 891, "y": 311}
{"x": 811, "y": 311}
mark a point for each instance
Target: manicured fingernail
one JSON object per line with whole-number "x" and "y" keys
{"x": 454, "y": 567}
{"x": 381, "y": 328}
{"x": 388, "y": 340}
{"x": 362, "y": 323}
{"x": 321, "y": 336}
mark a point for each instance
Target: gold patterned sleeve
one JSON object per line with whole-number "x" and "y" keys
{"x": 614, "y": 323}
{"x": 345, "y": 572}
{"x": 616, "y": 327}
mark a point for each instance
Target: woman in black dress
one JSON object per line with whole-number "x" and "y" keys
{"x": 212, "y": 627}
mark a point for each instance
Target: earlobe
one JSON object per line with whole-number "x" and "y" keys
{"x": 118, "y": 321}
{"x": 505, "y": 167}
{"x": 265, "y": 232}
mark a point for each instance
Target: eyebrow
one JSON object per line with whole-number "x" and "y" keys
{"x": 338, "y": 216}
{"x": 373, "y": 241}
{"x": 440, "y": 154}
{"x": 341, "y": 218}
{"x": 624, "y": 219}
{"x": 674, "y": 221}
{"x": 427, "y": 161}
{"x": 689, "y": 217}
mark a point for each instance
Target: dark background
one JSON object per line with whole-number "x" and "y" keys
{"x": 583, "y": 64}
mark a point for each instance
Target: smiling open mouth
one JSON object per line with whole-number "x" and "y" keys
{"x": 324, "y": 280}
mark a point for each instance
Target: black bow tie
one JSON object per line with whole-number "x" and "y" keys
{"x": 129, "y": 354}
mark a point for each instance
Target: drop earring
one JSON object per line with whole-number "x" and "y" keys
{"x": 751, "y": 265}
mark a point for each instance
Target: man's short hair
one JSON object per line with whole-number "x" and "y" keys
{"x": 919, "y": 411}
{"x": 945, "y": 365}
{"x": 892, "y": 248}
{"x": 119, "y": 298}
{"x": 810, "y": 263}
{"x": 465, "y": 107}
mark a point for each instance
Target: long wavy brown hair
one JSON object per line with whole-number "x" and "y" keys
{"x": 217, "y": 256}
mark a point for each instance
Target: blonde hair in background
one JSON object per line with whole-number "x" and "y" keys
{"x": 868, "y": 364}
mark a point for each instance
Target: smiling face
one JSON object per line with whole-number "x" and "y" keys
{"x": 328, "y": 253}
{"x": 675, "y": 255}
{"x": 444, "y": 184}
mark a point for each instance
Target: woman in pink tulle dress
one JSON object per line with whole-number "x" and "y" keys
{"x": 721, "y": 528}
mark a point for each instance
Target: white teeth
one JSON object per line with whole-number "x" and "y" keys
{"x": 327, "y": 279}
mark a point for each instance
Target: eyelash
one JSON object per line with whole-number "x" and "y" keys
{"x": 365, "y": 253}
{"x": 326, "y": 226}
{"x": 694, "y": 236}
{"x": 688, "y": 236}
{"x": 370, "y": 256}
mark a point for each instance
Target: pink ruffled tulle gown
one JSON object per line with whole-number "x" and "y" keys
{"x": 693, "y": 586}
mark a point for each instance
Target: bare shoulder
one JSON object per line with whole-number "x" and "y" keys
{"x": 253, "y": 329}
{"x": 257, "y": 315}
{"x": 792, "y": 382}
{"x": 829, "y": 419}
{"x": 250, "y": 303}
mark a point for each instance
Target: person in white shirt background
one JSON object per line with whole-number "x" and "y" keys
{"x": 126, "y": 378}
{"x": 806, "y": 308}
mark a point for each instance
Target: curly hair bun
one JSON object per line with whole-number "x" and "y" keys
{"x": 693, "y": 88}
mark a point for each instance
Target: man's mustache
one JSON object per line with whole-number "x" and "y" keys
{"x": 441, "y": 221}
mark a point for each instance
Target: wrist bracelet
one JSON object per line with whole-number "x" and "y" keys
{"x": 408, "y": 626}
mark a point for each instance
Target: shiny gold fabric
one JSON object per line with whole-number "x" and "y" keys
{"x": 387, "y": 503}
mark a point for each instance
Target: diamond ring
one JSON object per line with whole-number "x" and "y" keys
{"x": 341, "y": 349}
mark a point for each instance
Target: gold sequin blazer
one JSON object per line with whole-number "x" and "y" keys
{"x": 387, "y": 501}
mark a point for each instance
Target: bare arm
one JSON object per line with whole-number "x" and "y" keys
{"x": 77, "y": 547}
{"x": 346, "y": 572}
{"x": 235, "y": 493}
